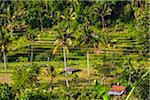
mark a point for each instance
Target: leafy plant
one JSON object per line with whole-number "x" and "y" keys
{"x": 6, "y": 92}
{"x": 137, "y": 84}
{"x": 25, "y": 75}
{"x": 102, "y": 91}
{"x": 23, "y": 59}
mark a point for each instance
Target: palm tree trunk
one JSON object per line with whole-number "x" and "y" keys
{"x": 103, "y": 80}
{"x": 5, "y": 67}
{"x": 103, "y": 21}
{"x": 88, "y": 66}
{"x": 140, "y": 3}
{"x": 65, "y": 64}
{"x": 46, "y": 6}
{"x": 48, "y": 58}
{"x": 31, "y": 56}
{"x": 4, "y": 57}
{"x": 129, "y": 78}
{"x": 51, "y": 83}
{"x": 132, "y": 3}
{"x": 130, "y": 70}
{"x": 41, "y": 24}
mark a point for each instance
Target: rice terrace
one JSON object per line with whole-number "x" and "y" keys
{"x": 74, "y": 50}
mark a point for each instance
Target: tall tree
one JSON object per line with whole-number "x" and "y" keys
{"x": 11, "y": 23}
{"x": 89, "y": 39}
{"x": 64, "y": 30}
{"x": 101, "y": 9}
{"x": 142, "y": 27}
{"x": 38, "y": 12}
{"x": 31, "y": 35}
{"x": 63, "y": 39}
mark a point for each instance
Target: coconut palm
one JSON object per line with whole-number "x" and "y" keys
{"x": 10, "y": 26}
{"x": 31, "y": 35}
{"x": 101, "y": 9}
{"x": 89, "y": 39}
{"x": 63, "y": 40}
{"x": 36, "y": 14}
{"x": 64, "y": 33}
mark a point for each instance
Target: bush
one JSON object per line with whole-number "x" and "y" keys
{"x": 97, "y": 92}
{"x": 35, "y": 94}
{"x": 25, "y": 75}
{"x": 40, "y": 57}
{"x": 22, "y": 59}
{"x": 6, "y": 92}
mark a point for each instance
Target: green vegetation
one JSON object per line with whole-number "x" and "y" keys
{"x": 106, "y": 41}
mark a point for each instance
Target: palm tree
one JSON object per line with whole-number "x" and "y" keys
{"x": 102, "y": 9}
{"x": 63, "y": 39}
{"x": 10, "y": 26}
{"x": 89, "y": 39}
{"x": 37, "y": 12}
{"x": 105, "y": 43}
{"x": 31, "y": 35}
{"x": 64, "y": 33}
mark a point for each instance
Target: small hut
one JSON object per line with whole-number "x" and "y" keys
{"x": 117, "y": 90}
{"x": 70, "y": 70}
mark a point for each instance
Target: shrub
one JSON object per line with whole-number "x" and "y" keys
{"x": 32, "y": 94}
{"x": 6, "y": 92}
{"x": 25, "y": 75}
{"x": 22, "y": 59}
{"x": 97, "y": 92}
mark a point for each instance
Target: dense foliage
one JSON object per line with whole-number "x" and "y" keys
{"x": 111, "y": 35}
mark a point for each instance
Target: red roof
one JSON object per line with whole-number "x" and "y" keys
{"x": 118, "y": 88}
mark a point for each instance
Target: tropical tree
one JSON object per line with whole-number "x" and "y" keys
{"x": 31, "y": 35}
{"x": 10, "y": 26}
{"x": 63, "y": 39}
{"x": 142, "y": 34}
{"x": 89, "y": 39}
{"x": 101, "y": 9}
{"x": 64, "y": 32}
{"x": 36, "y": 14}
{"x": 50, "y": 73}
{"x": 137, "y": 83}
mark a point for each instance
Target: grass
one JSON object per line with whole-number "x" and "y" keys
{"x": 58, "y": 68}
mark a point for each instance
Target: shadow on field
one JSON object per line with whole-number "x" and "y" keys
{"x": 78, "y": 70}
